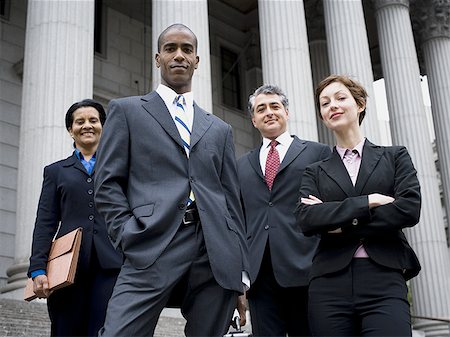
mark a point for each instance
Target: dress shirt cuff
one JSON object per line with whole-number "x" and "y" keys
{"x": 245, "y": 280}
{"x": 37, "y": 273}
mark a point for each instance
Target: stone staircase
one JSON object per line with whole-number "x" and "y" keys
{"x": 20, "y": 318}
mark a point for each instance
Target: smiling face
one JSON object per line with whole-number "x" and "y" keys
{"x": 86, "y": 128}
{"x": 338, "y": 108}
{"x": 269, "y": 115}
{"x": 177, "y": 58}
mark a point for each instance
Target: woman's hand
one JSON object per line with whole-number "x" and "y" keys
{"x": 377, "y": 199}
{"x": 40, "y": 286}
{"x": 311, "y": 200}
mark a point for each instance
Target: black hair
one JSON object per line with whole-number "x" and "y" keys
{"x": 81, "y": 104}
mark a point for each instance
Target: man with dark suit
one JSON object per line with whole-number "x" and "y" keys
{"x": 280, "y": 256}
{"x": 167, "y": 186}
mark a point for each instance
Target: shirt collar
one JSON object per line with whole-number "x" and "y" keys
{"x": 168, "y": 95}
{"x": 358, "y": 147}
{"x": 80, "y": 155}
{"x": 282, "y": 139}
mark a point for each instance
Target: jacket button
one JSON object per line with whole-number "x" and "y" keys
{"x": 95, "y": 231}
{"x": 181, "y": 206}
{"x": 266, "y": 227}
{"x": 270, "y": 203}
{"x": 89, "y": 180}
{"x": 192, "y": 180}
{"x": 91, "y": 204}
{"x": 354, "y": 222}
{"x": 91, "y": 217}
{"x": 90, "y": 191}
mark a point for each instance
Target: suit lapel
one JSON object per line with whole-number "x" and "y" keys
{"x": 253, "y": 158}
{"x": 202, "y": 122}
{"x": 73, "y": 161}
{"x": 297, "y": 147}
{"x": 335, "y": 169}
{"x": 371, "y": 156}
{"x": 155, "y": 106}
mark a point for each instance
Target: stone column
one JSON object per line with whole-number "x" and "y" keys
{"x": 58, "y": 70}
{"x": 436, "y": 51}
{"x": 193, "y": 14}
{"x": 320, "y": 70}
{"x": 286, "y": 62}
{"x": 319, "y": 62}
{"x": 431, "y": 289}
{"x": 348, "y": 50}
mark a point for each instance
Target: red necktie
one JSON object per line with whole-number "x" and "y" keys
{"x": 272, "y": 164}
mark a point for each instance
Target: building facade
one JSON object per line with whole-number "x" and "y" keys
{"x": 53, "y": 53}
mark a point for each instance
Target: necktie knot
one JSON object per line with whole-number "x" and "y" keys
{"x": 180, "y": 101}
{"x": 273, "y": 144}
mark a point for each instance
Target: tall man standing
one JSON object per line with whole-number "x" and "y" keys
{"x": 280, "y": 256}
{"x": 167, "y": 186}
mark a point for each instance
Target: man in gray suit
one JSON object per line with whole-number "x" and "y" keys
{"x": 170, "y": 198}
{"x": 280, "y": 256}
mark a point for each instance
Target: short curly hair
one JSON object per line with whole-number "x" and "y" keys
{"x": 356, "y": 89}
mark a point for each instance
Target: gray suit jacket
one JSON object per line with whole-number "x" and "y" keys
{"x": 143, "y": 178}
{"x": 269, "y": 215}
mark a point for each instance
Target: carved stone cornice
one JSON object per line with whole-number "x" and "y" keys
{"x": 379, "y": 4}
{"x": 432, "y": 18}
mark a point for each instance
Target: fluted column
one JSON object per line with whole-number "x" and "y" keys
{"x": 348, "y": 50}
{"x": 320, "y": 70}
{"x": 58, "y": 70}
{"x": 436, "y": 51}
{"x": 431, "y": 289}
{"x": 286, "y": 62}
{"x": 193, "y": 14}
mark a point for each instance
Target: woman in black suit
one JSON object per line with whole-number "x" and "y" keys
{"x": 66, "y": 203}
{"x": 358, "y": 201}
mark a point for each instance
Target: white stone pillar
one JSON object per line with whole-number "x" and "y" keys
{"x": 58, "y": 70}
{"x": 436, "y": 52}
{"x": 320, "y": 70}
{"x": 286, "y": 62}
{"x": 431, "y": 289}
{"x": 348, "y": 50}
{"x": 193, "y": 14}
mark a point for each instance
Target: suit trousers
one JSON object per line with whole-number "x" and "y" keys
{"x": 364, "y": 299}
{"x": 276, "y": 310}
{"x": 80, "y": 309}
{"x": 140, "y": 294}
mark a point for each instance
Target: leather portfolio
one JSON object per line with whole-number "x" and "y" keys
{"x": 62, "y": 263}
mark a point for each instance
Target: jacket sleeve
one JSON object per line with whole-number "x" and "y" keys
{"x": 405, "y": 210}
{"x": 329, "y": 215}
{"x": 230, "y": 185}
{"x": 47, "y": 221}
{"x": 111, "y": 172}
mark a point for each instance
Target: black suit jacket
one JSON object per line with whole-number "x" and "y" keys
{"x": 67, "y": 197}
{"x": 269, "y": 215}
{"x": 385, "y": 170}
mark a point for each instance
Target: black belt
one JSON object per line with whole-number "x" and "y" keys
{"x": 190, "y": 217}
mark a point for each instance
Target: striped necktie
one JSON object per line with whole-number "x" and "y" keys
{"x": 185, "y": 132}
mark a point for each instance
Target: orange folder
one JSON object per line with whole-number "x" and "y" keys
{"x": 62, "y": 263}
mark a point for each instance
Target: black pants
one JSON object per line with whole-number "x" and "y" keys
{"x": 80, "y": 309}
{"x": 365, "y": 299}
{"x": 275, "y": 310}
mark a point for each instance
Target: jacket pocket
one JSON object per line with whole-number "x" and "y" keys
{"x": 143, "y": 211}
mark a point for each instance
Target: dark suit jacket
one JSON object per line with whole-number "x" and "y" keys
{"x": 144, "y": 178}
{"x": 67, "y": 197}
{"x": 269, "y": 215}
{"x": 385, "y": 170}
